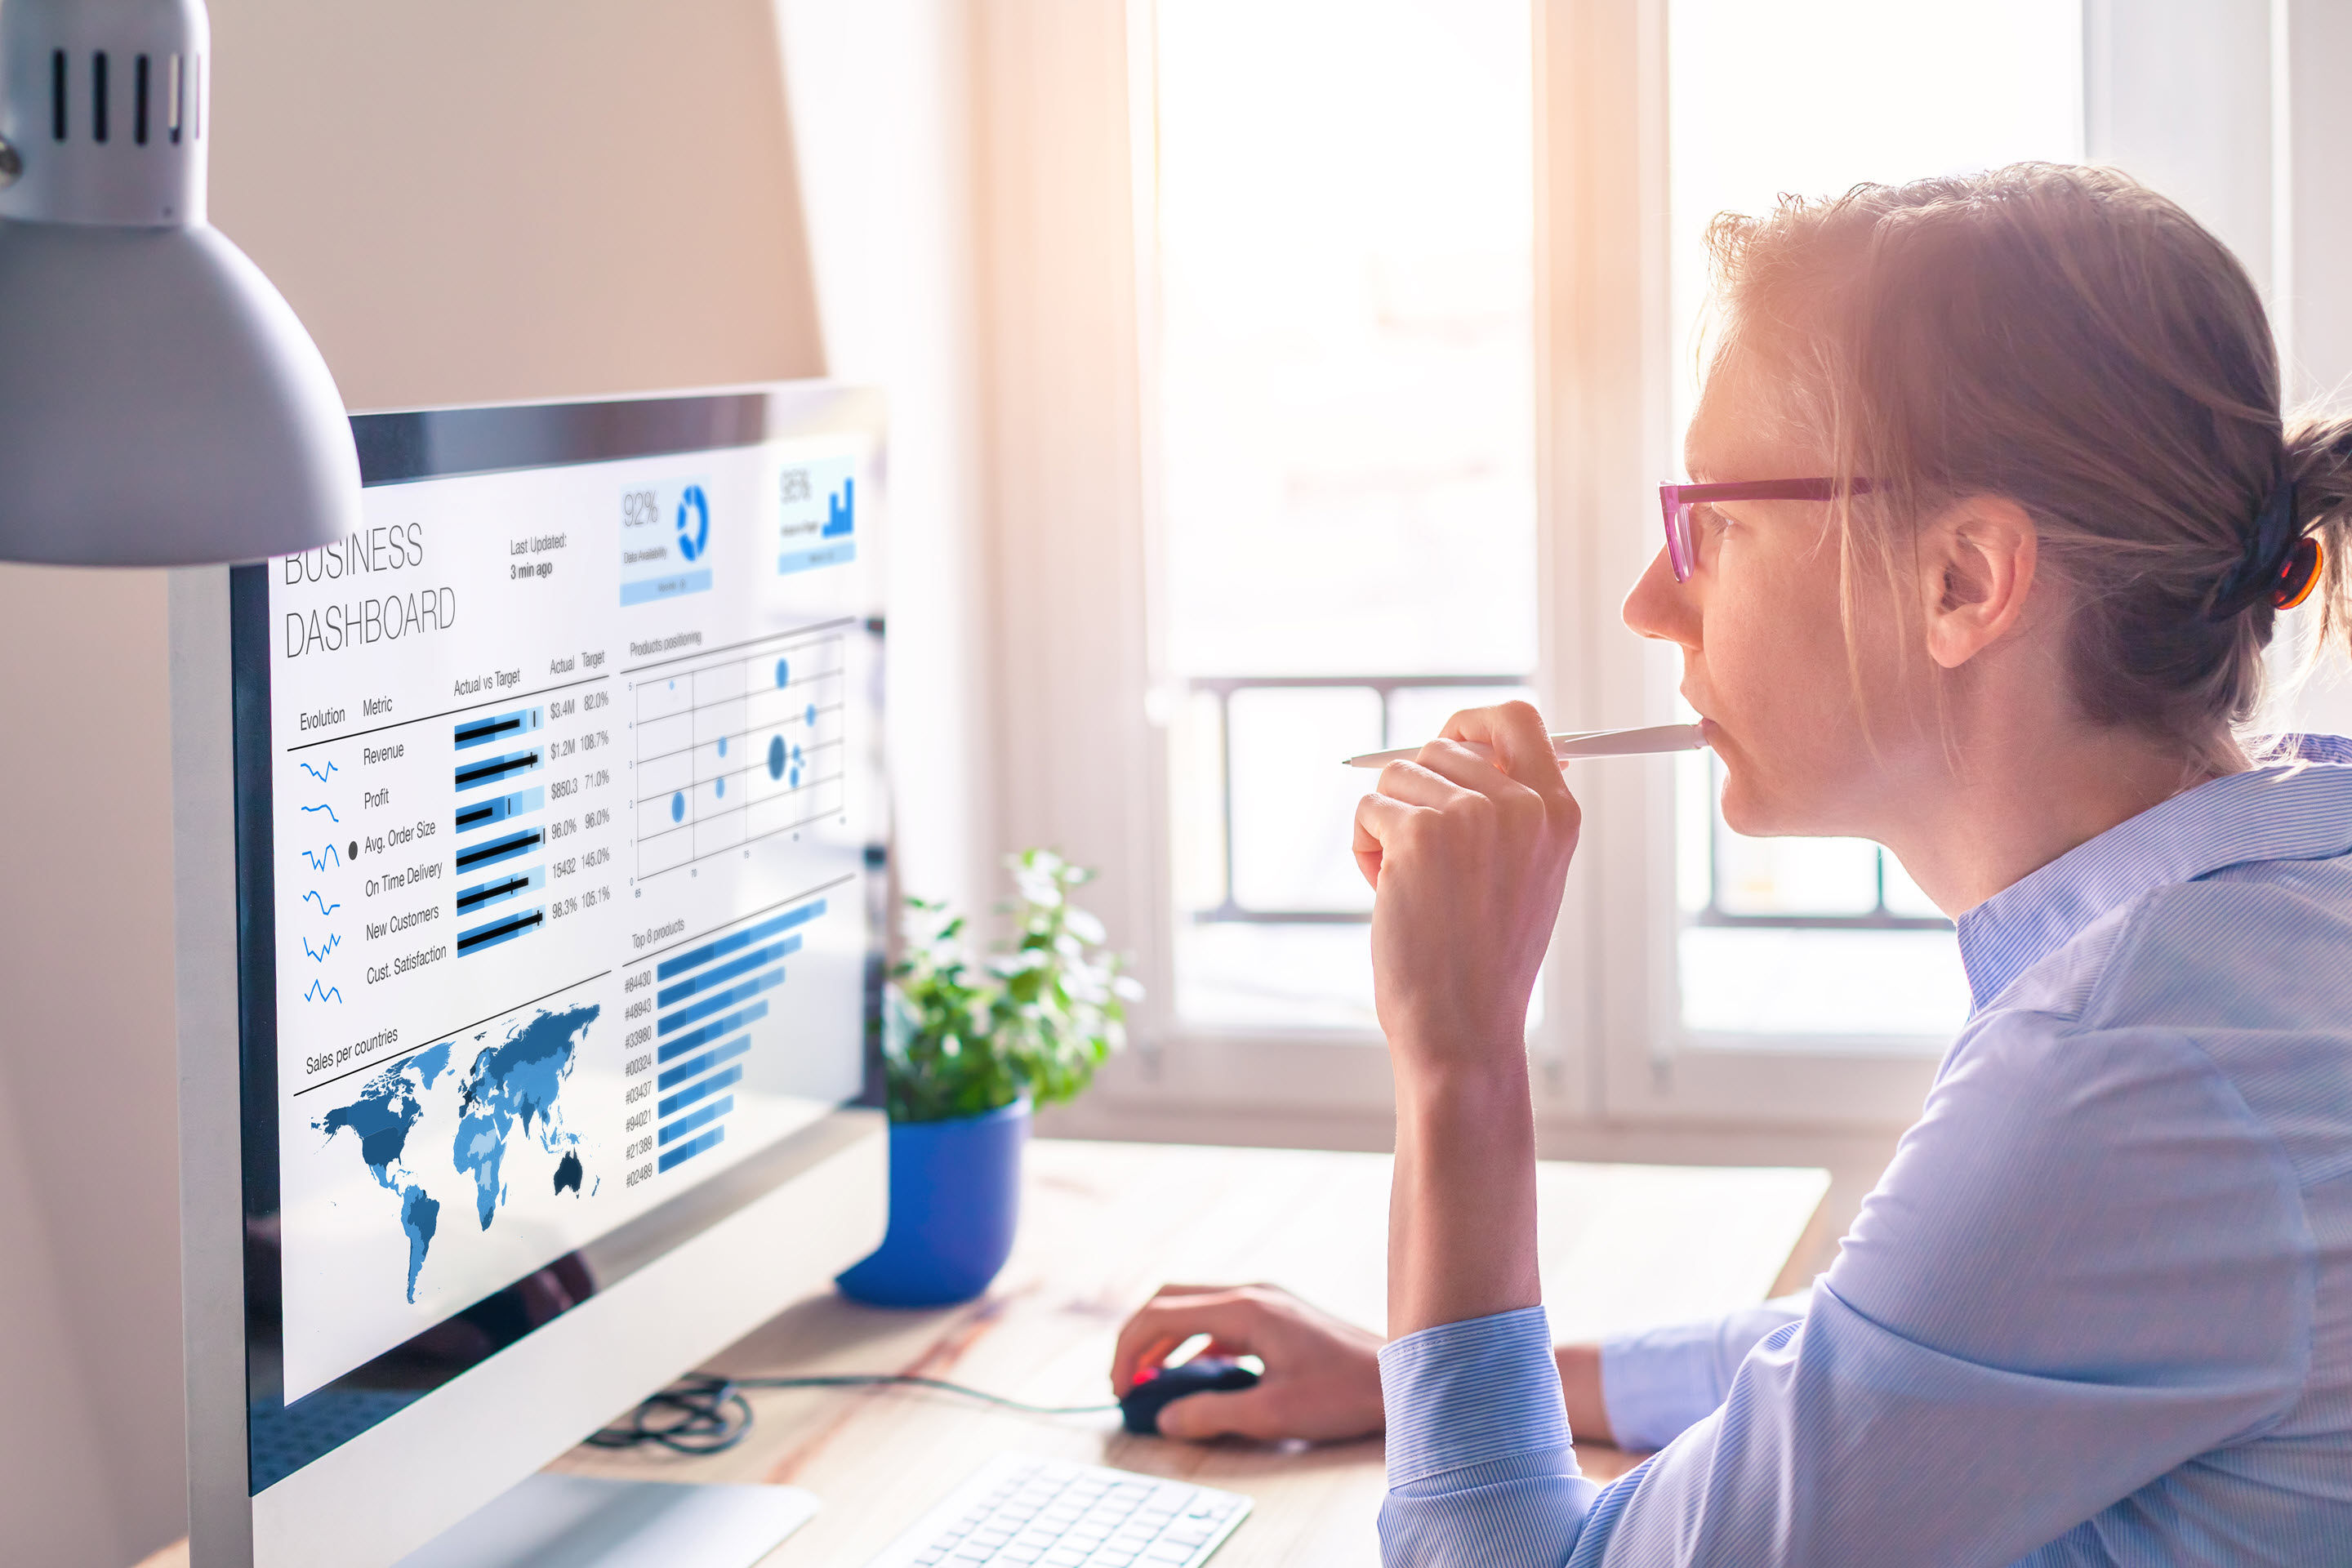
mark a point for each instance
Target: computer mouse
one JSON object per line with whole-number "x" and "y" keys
{"x": 1153, "y": 1390}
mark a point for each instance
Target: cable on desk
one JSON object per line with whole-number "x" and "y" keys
{"x": 706, "y": 1414}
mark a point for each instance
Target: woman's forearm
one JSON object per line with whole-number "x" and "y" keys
{"x": 1462, "y": 1213}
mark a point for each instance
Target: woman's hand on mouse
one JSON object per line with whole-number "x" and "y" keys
{"x": 1322, "y": 1380}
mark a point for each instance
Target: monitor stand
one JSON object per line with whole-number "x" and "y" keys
{"x": 581, "y": 1521}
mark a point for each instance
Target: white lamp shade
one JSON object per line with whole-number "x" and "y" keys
{"x": 159, "y": 405}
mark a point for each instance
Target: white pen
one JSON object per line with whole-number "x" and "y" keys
{"x": 1579, "y": 743}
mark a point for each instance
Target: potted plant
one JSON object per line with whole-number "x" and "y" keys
{"x": 970, "y": 1050}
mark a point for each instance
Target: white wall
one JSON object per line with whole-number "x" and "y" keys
{"x": 882, "y": 110}
{"x": 90, "y": 1464}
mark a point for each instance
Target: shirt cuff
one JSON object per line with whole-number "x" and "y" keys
{"x": 1470, "y": 1393}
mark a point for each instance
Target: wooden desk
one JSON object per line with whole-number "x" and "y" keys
{"x": 1623, "y": 1245}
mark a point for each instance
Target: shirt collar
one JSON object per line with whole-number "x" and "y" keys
{"x": 2290, "y": 811}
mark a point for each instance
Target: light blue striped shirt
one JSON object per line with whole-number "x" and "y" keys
{"x": 2098, "y": 1309}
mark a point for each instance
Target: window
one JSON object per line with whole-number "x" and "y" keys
{"x": 1343, "y": 364}
{"x": 1352, "y": 340}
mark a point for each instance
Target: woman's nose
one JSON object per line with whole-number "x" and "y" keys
{"x": 1660, "y": 607}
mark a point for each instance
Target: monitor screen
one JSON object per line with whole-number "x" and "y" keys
{"x": 557, "y": 810}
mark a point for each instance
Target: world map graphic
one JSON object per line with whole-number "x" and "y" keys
{"x": 514, "y": 1089}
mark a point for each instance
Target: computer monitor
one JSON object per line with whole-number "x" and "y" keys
{"x": 529, "y": 914}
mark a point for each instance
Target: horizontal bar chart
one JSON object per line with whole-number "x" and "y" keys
{"x": 493, "y": 769}
{"x": 727, "y": 972}
{"x": 699, "y": 956}
{"x": 483, "y": 937}
{"x": 670, "y": 1050}
{"x": 719, "y": 1000}
{"x": 484, "y": 814}
{"x": 695, "y": 1121}
{"x": 498, "y": 726}
{"x": 499, "y": 849}
{"x": 692, "y": 1092}
{"x": 697, "y": 1066}
{"x": 498, "y": 890}
{"x": 690, "y": 1148}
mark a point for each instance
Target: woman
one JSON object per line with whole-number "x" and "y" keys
{"x": 2006, "y": 621}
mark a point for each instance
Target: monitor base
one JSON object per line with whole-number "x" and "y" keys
{"x": 580, "y": 1522}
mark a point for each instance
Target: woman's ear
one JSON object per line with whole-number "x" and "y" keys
{"x": 1977, "y": 560}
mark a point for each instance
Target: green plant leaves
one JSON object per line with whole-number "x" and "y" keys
{"x": 1035, "y": 1021}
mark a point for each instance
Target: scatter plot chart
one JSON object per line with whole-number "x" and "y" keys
{"x": 739, "y": 749}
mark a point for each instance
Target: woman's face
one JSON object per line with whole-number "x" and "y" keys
{"x": 1764, "y": 646}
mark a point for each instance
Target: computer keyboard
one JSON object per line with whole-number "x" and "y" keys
{"x": 1019, "y": 1508}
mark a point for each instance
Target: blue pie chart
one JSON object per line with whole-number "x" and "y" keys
{"x": 693, "y": 523}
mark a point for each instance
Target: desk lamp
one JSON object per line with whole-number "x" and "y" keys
{"x": 159, "y": 404}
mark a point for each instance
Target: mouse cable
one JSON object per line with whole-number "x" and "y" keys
{"x": 706, "y": 1414}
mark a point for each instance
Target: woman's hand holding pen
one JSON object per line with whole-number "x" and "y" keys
{"x": 1467, "y": 854}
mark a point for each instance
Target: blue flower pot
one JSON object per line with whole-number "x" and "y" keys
{"x": 955, "y": 1202}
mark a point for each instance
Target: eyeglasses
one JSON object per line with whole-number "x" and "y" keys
{"x": 1676, "y": 502}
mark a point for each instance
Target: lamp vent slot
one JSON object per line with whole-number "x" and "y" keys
{"x": 57, "y": 95}
{"x": 98, "y": 96}
{"x": 139, "y": 105}
{"x": 172, "y": 98}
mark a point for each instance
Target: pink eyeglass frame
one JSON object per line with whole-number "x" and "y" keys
{"x": 1675, "y": 502}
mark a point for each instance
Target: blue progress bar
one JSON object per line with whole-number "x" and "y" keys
{"x": 708, "y": 1086}
{"x": 692, "y": 1147}
{"x": 694, "y": 1040}
{"x": 483, "y": 813}
{"x": 502, "y": 727}
{"x": 718, "y": 1002}
{"x": 705, "y": 1061}
{"x": 702, "y": 955}
{"x": 667, "y": 587}
{"x": 727, "y": 972}
{"x": 672, "y": 1131}
{"x": 496, "y": 931}
{"x": 490, "y": 770}
{"x": 498, "y": 890}
{"x": 499, "y": 849}
{"x": 835, "y": 554}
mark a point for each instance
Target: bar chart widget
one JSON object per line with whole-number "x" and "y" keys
{"x": 715, "y": 1000}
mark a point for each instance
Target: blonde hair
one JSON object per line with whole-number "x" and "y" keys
{"x": 2071, "y": 341}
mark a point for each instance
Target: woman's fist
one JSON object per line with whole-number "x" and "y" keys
{"x": 1467, "y": 848}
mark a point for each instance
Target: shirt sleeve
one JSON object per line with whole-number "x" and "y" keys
{"x": 1657, "y": 1383}
{"x": 1480, "y": 1468}
{"x": 1981, "y": 1371}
